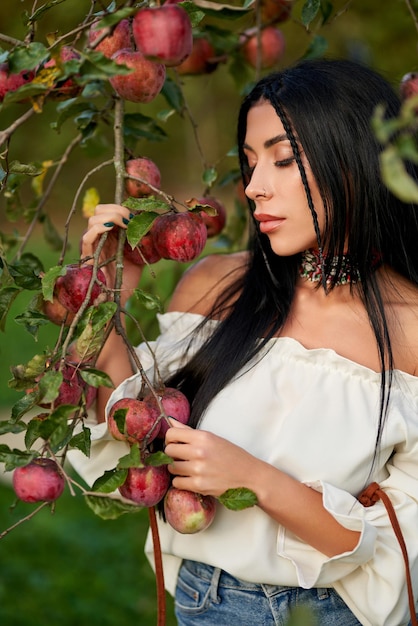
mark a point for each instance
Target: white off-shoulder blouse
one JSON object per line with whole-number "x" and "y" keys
{"x": 314, "y": 415}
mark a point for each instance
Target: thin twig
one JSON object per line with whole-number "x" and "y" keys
{"x": 48, "y": 191}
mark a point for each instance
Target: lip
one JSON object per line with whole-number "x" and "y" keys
{"x": 268, "y": 223}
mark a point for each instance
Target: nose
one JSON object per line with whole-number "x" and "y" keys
{"x": 256, "y": 188}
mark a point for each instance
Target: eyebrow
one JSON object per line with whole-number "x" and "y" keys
{"x": 270, "y": 142}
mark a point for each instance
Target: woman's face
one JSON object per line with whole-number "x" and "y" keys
{"x": 281, "y": 205}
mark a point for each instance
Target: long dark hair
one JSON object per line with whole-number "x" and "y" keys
{"x": 328, "y": 106}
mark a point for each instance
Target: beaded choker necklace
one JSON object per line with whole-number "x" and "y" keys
{"x": 312, "y": 265}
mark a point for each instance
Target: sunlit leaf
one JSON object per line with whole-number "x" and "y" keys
{"x": 149, "y": 300}
{"x": 395, "y": 176}
{"x": 96, "y": 378}
{"x": 91, "y": 199}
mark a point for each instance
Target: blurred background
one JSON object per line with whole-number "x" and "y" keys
{"x": 70, "y": 567}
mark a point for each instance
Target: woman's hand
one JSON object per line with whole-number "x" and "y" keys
{"x": 206, "y": 463}
{"x": 107, "y": 218}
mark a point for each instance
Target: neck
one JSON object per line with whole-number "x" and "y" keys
{"x": 340, "y": 270}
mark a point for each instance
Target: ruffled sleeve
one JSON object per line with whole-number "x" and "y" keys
{"x": 371, "y": 578}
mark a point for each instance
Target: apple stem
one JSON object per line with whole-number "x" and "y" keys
{"x": 159, "y": 573}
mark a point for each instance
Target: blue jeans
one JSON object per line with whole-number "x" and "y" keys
{"x": 208, "y": 596}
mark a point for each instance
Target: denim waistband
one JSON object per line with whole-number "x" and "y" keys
{"x": 219, "y": 577}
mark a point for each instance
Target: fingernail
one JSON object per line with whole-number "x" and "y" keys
{"x": 131, "y": 215}
{"x": 108, "y": 224}
{"x": 125, "y": 220}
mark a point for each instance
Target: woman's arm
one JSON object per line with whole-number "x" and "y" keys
{"x": 114, "y": 357}
{"x": 210, "y": 465}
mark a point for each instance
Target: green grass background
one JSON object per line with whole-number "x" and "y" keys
{"x": 72, "y": 568}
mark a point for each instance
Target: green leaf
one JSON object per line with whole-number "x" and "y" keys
{"x": 96, "y": 378}
{"x": 26, "y": 271}
{"x": 23, "y": 405}
{"x": 141, "y": 224}
{"x": 49, "y": 386}
{"x": 7, "y": 297}
{"x": 110, "y": 508}
{"x": 137, "y": 126}
{"x": 120, "y": 418}
{"x": 133, "y": 459}
{"x": 144, "y": 204}
{"x": 238, "y": 499}
{"x": 173, "y": 94}
{"x": 209, "y": 176}
{"x": 317, "y": 47}
{"x": 49, "y": 279}
{"x": 116, "y": 17}
{"x": 309, "y": 11}
{"x": 30, "y": 169}
{"x": 27, "y": 57}
{"x": 29, "y": 90}
{"x": 150, "y": 301}
{"x": 155, "y": 459}
{"x": 111, "y": 480}
{"x": 82, "y": 441}
{"x": 196, "y": 15}
{"x": 226, "y": 11}
{"x": 395, "y": 176}
{"x": 11, "y": 426}
{"x": 15, "y": 458}
{"x": 32, "y": 320}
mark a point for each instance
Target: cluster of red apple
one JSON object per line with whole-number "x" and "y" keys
{"x": 155, "y": 38}
{"x": 141, "y": 421}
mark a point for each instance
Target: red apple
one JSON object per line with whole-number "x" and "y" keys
{"x": 201, "y": 60}
{"x": 140, "y": 420}
{"x": 180, "y": 236}
{"x": 214, "y": 223}
{"x": 146, "y": 485}
{"x": 71, "y": 388}
{"x": 188, "y": 512}
{"x": 144, "y": 252}
{"x": 272, "y": 46}
{"x": 141, "y": 85}
{"x": 39, "y": 481}
{"x": 409, "y": 85}
{"x": 119, "y": 39}
{"x": 56, "y": 312}
{"x": 163, "y": 33}
{"x": 147, "y": 170}
{"x": 11, "y": 82}
{"x": 276, "y": 10}
{"x": 175, "y": 404}
{"x": 67, "y": 88}
{"x": 73, "y": 286}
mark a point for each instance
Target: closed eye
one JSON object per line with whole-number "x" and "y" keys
{"x": 284, "y": 162}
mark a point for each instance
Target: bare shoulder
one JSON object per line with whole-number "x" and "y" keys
{"x": 404, "y": 308}
{"x": 204, "y": 281}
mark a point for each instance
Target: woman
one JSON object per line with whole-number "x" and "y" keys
{"x": 300, "y": 360}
